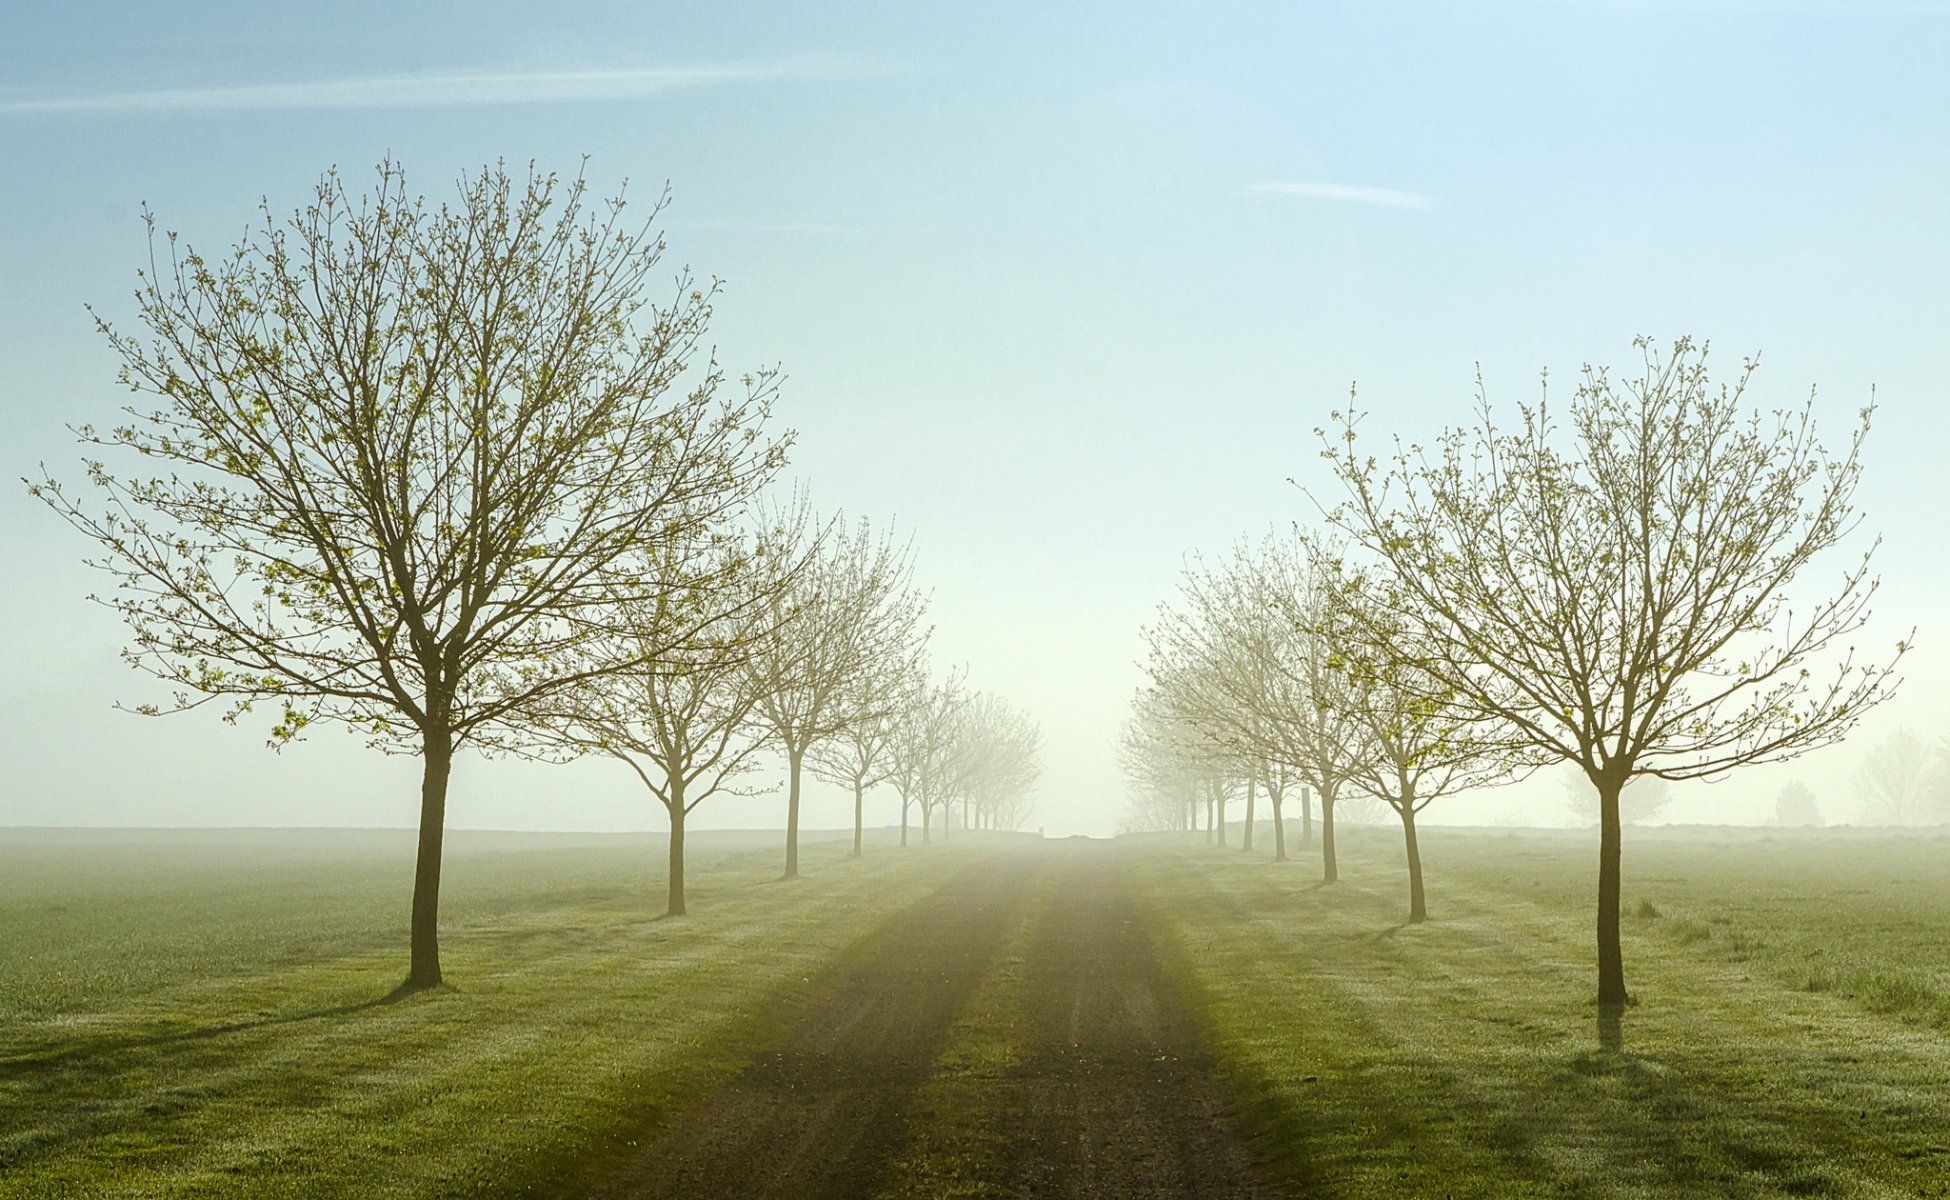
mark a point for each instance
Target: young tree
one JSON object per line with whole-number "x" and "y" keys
{"x": 1001, "y": 749}
{"x": 681, "y": 717}
{"x": 1321, "y": 738}
{"x": 1420, "y": 746}
{"x": 849, "y": 621}
{"x": 861, "y": 755}
{"x": 401, "y": 451}
{"x": 1621, "y": 603}
{"x": 923, "y": 727}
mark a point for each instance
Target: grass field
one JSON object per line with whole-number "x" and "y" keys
{"x": 202, "y": 1013}
{"x": 1791, "y": 1036}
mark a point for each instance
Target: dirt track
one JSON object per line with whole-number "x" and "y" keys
{"x": 1111, "y": 1095}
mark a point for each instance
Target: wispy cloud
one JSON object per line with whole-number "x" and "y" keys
{"x": 788, "y": 228}
{"x": 1352, "y": 194}
{"x": 421, "y": 90}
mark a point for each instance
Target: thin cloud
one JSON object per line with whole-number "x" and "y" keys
{"x": 1384, "y": 197}
{"x": 422, "y": 91}
{"x": 811, "y": 228}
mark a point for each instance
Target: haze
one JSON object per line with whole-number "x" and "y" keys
{"x": 1063, "y": 295}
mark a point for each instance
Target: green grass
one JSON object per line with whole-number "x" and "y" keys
{"x": 1789, "y": 1037}
{"x": 201, "y": 1014}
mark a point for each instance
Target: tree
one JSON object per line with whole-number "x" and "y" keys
{"x": 1420, "y": 745}
{"x": 1638, "y": 801}
{"x": 401, "y": 451}
{"x": 1622, "y": 603}
{"x": 1000, "y": 750}
{"x": 1236, "y": 659}
{"x": 850, "y": 622}
{"x": 861, "y": 755}
{"x": 922, "y": 728}
{"x": 1895, "y": 780}
{"x": 1796, "y": 805}
{"x": 1322, "y": 739}
{"x": 681, "y": 717}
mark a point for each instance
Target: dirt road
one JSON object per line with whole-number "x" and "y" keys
{"x": 1108, "y": 1094}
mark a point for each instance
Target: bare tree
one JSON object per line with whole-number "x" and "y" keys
{"x": 1320, "y": 736}
{"x": 850, "y": 621}
{"x": 402, "y": 450}
{"x": 1895, "y": 780}
{"x": 923, "y": 727}
{"x": 1420, "y": 746}
{"x": 681, "y": 717}
{"x": 861, "y": 753}
{"x": 1622, "y": 603}
{"x": 1003, "y": 756}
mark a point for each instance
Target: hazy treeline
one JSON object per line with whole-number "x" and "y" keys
{"x": 1614, "y": 586}
{"x": 463, "y": 475}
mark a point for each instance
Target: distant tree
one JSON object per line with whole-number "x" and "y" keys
{"x": 924, "y": 727}
{"x": 1795, "y": 805}
{"x": 1641, "y": 800}
{"x": 1241, "y": 659}
{"x": 860, "y": 755}
{"x": 402, "y": 454}
{"x": 1621, "y": 603}
{"x": 1895, "y": 781}
{"x": 1003, "y": 749}
{"x": 850, "y": 622}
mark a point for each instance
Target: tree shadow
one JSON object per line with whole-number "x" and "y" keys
{"x": 23, "y": 1065}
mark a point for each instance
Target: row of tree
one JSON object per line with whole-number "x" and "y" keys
{"x": 451, "y": 476}
{"x": 1616, "y": 591}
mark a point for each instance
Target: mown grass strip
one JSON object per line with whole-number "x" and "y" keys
{"x": 577, "y": 1024}
{"x": 1458, "y": 1058}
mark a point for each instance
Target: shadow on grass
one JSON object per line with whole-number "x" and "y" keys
{"x": 26, "y": 1064}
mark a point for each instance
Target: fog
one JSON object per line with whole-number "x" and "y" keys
{"x": 1066, "y": 306}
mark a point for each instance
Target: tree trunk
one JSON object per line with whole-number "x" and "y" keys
{"x": 794, "y": 759}
{"x": 857, "y": 792}
{"x": 1306, "y": 816}
{"x": 927, "y": 823}
{"x": 676, "y": 806}
{"x": 1210, "y": 809}
{"x": 438, "y": 751}
{"x": 1418, "y": 909}
{"x": 1220, "y": 801}
{"x": 1246, "y": 838}
{"x": 905, "y": 804}
{"x": 1330, "y": 868}
{"x": 1278, "y": 796}
{"x": 1611, "y": 961}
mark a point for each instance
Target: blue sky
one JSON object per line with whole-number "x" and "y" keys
{"x": 1064, "y": 288}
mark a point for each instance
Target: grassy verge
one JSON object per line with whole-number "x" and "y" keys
{"x": 193, "y": 1020}
{"x": 1458, "y": 1058}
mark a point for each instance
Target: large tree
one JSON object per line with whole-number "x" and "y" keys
{"x": 1617, "y": 593}
{"x": 400, "y": 451}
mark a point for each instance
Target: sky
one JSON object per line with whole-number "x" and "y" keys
{"x": 1063, "y": 289}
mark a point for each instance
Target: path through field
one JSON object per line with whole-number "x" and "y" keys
{"x": 1103, "y": 1091}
